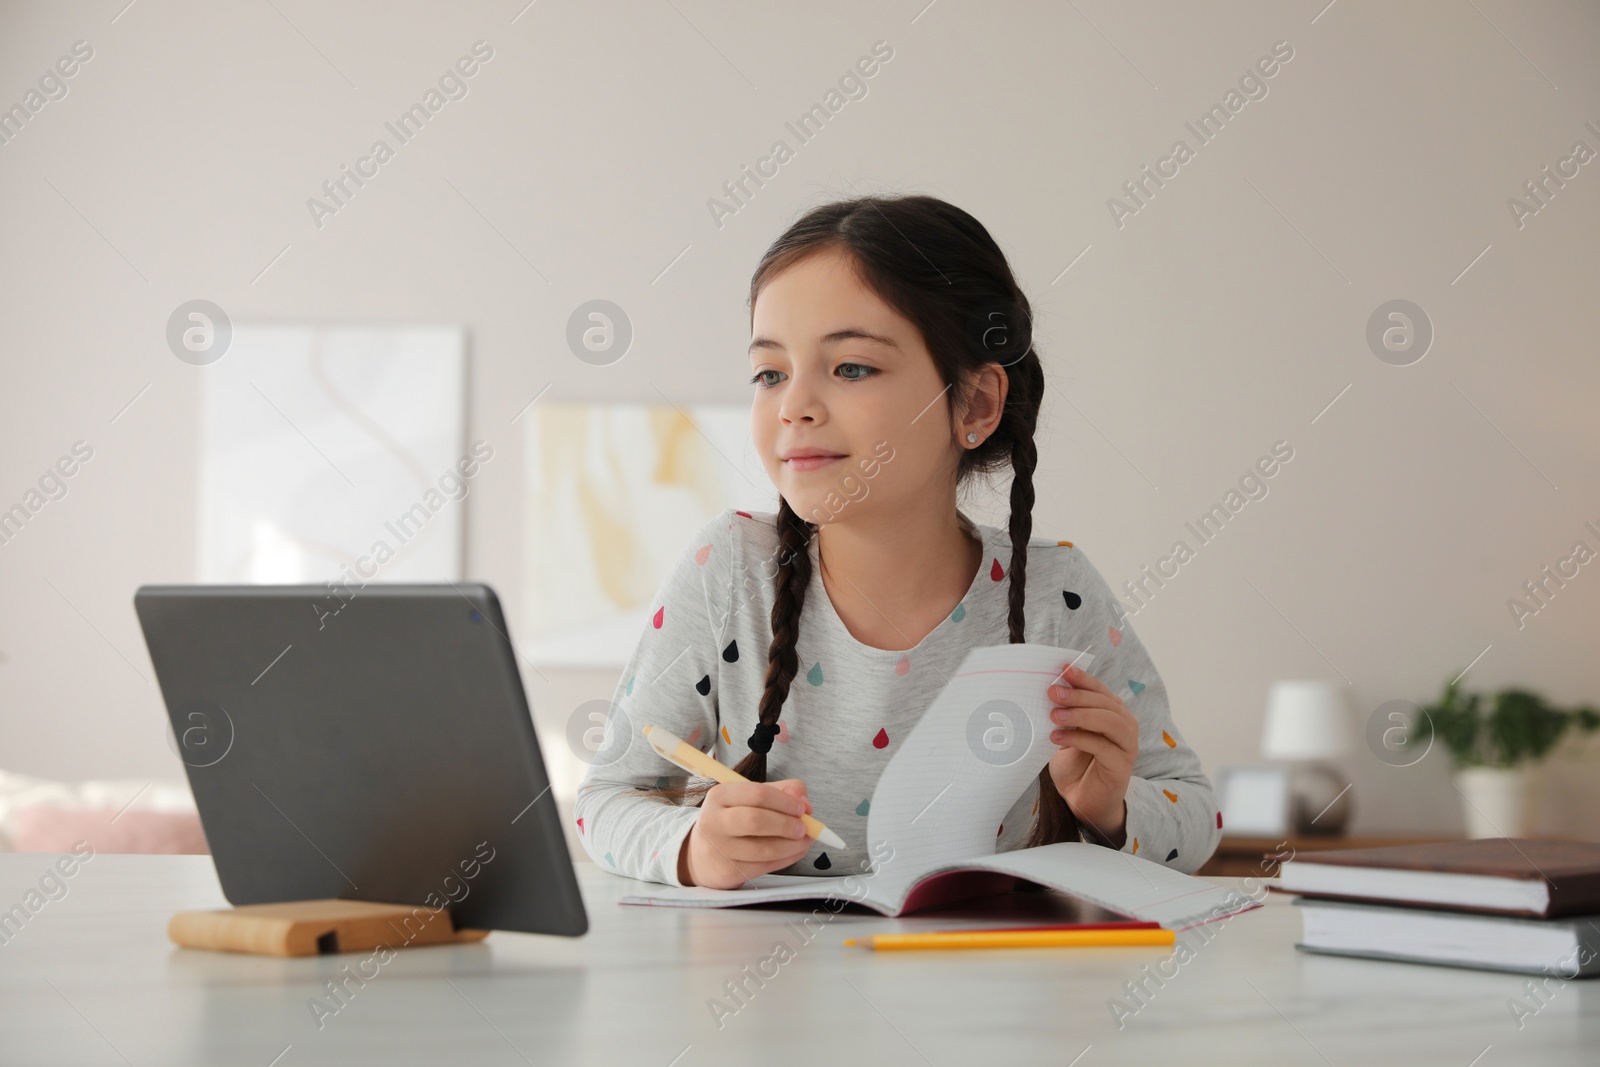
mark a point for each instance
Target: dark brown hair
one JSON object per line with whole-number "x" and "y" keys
{"x": 937, "y": 266}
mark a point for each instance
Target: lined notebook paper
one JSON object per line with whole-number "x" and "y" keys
{"x": 971, "y": 755}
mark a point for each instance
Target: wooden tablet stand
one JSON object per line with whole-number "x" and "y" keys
{"x": 317, "y": 927}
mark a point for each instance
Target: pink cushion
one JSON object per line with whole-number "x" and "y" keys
{"x": 50, "y": 828}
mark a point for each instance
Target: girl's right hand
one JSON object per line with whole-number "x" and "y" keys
{"x": 745, "y": 829}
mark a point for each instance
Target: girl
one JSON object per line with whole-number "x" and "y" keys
{"x": 893, "y": 360}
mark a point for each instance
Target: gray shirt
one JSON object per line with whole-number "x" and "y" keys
{"x": 698, "y": 672}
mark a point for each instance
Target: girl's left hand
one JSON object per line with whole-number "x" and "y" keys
{"x": 1099, "y": 740}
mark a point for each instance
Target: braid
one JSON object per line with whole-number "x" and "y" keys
{"x": 1024, "y": 457}
{"x": 1055, "y": 821}
{"x": 790, "y": 584}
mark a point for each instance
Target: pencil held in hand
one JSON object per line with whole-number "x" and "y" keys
{"x": 670, "y": 746}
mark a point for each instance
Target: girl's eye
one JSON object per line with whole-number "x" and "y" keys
{"x": 760, "y": 379}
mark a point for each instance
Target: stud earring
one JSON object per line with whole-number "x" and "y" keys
{"x": 972, "y": 438}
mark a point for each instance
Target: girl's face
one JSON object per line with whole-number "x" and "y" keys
{"x": 836, "y": 370}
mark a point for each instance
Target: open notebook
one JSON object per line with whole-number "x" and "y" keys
{"x": 931, "y": 823}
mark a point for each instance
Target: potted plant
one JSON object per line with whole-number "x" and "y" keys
{"x": 1496, "y": 741}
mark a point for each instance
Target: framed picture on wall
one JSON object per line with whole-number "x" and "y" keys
{"x": 333, "y": 452}
{"x": 1255, "y": 800}
{"x": 613, "y": 493}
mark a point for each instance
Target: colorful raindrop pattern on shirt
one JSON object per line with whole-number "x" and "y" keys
{"x": 816, "y": 677}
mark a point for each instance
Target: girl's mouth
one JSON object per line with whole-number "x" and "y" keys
{"x": 810, "y": 463}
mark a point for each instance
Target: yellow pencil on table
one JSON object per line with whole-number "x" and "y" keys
{"x": 670, "y": 746}
{"x": 1015, "y": 939}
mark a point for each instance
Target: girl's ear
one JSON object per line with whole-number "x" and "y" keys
{"x": 984, "y": 402}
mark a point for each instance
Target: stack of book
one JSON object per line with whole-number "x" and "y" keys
{"x": 1506, "y": 904}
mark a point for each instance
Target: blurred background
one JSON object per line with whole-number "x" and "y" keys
{"x": 272, "y": 269}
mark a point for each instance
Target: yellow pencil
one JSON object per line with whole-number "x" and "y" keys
{"x": 1015, "y": 939}
{"x": 670, "y": 746}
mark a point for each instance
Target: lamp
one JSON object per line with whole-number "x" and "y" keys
{"x": 1308, "y": 723}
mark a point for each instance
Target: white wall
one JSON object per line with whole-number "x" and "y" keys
{"x": 1222, "y": 317}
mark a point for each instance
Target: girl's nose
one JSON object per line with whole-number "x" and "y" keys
{"x": 799, "y": 404}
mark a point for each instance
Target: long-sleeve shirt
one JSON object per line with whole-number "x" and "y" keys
{"x": 699, "y": 668}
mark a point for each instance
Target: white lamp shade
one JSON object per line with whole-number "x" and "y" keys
{"x": 1306, "y": 720}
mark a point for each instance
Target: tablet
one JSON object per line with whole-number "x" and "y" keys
{"x": 370, "y": 745}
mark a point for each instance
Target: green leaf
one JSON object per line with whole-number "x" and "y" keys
{"x": 1513, "y": 727}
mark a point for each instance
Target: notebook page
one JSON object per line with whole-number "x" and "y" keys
{"x": 984, "y": 738}
{"x": 1121, "y": 883}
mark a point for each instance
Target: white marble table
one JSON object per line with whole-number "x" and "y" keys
{"x": 92, "y": 979}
